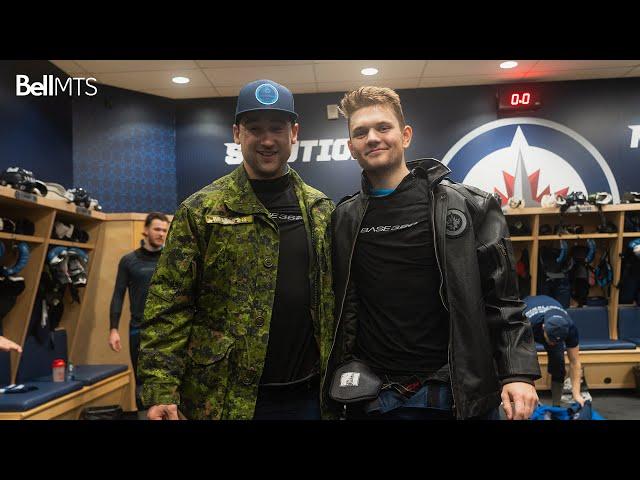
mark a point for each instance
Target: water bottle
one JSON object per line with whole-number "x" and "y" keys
{"x": 70, "y": 372}
{"x": 58, "y": 370}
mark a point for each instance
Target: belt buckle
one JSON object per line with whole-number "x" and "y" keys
{"x": 407, "y": 389}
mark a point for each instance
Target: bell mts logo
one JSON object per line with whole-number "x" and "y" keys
{"x": 529, "y": 158}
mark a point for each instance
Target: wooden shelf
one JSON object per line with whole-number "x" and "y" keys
{"x": 615, "y": 244}
{"x": 64, "y": 243}
{"x": 581, "y": 236}
{"x": 44, "y": 212}
{"x": 522, "y": 238}
{"x": 8, "y": 194}
{"x": 21, "y": 238}
{"x": 586, "y": 209}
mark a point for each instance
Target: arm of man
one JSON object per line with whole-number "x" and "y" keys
{"x": 115, "y": 310}
{"x": 7, "y": 345}
{"x": 575, "y": 372}
{"x": 168, "y": 316}
{"x": 346, "y": 309}
{"x": 511, "y": 333}
{"x": 345, "y": 314}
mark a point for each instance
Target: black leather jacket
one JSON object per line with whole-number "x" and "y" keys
{"x": 490, "y": 340}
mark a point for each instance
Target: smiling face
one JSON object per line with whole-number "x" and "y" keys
{"x": 377, "y": 140}
{"x": 265, "y": 138}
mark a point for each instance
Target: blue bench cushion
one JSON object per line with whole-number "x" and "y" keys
{"x": 629, "y": 323}
{"x": 37, "y": 357}
{"x": 635, "y": 340}
{"x": 593, "y": 328}
{"x": 606, "y": 345}
{"x": 46, "y": 391}
{"x": 90, "y": 374}
{"x": 627, "y": 344}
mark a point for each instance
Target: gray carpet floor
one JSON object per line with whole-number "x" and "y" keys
{"x": 618, "y": 404}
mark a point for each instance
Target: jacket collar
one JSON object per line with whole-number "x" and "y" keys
{"x": 241, "y": 198}
{"x": 430, "y": 168}
{"x": 433, "y": 170}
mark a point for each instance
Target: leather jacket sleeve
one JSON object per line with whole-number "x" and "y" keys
{"x": 511, "y": 334}
{"x": 346, "y": 310}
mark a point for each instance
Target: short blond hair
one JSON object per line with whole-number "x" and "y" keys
{"x": 369, "y": 95}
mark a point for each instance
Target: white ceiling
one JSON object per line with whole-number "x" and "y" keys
{"x": 224, "y": 78}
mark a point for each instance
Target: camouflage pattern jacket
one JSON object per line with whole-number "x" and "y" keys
{"x": 206, "y": 321}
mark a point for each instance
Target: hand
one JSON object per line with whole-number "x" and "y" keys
{"x": 524, "y": 397}
{"x": 579, "y": 398}
{"x": 163, "y": 412}
{"x": 114, "y": 340}
{"x": 7, "y": 345}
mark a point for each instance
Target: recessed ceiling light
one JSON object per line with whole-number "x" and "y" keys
{"x": 369, "y": 71}
{"x": 180, "y": 80}
{"x": 508, "y": 64}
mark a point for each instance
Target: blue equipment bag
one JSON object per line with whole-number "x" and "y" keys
{"x": 574, "y": 412}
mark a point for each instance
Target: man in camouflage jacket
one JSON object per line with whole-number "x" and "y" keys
{"x": 208, "y": 318}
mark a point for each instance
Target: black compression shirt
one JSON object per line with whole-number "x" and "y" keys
{"x": 403, "y": 327}
{"x": 292, "y": 353}
{"x": 134, "y": 272}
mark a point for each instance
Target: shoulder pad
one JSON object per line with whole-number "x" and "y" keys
{"x": 347, "y": 197}
{"x": 464, "y": 188}
{"x": 477, "y": 191}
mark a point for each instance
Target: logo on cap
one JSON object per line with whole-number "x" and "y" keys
{"x": 267, "y": 94}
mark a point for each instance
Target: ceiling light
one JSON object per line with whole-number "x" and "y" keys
{"x": 508, "y": 64}
{"x": 180, "y": 80}
{"x": 369, "y": 71}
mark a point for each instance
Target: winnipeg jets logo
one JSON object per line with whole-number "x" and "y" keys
{"x": 456, "y": 223}
{"x": 525, "y": 186}
{"x": 528, "y": 158}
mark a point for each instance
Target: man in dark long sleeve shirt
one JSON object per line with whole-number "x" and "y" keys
{"x": 134, "y": 272}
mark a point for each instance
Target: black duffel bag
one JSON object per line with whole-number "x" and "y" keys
{"x": 108, "y": 412}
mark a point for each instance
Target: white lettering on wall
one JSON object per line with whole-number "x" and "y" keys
{"x": 635, "y": 135}
{"x": 330, "y": 149}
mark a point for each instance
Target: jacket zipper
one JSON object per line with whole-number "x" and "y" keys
{"x": 344, "y": 295}
{"x": 435, "y": 244}
{"x": 435, "y": 240}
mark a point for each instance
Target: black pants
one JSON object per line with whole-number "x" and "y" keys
{"x": 555, "y": 365}
{"x": 291, "y": 402}
{"x": 134, "y": 350}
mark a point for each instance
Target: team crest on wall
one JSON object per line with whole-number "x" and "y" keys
{"x": 528, "y": 158}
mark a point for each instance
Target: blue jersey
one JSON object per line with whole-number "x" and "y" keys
{"x": 536, "y": 308}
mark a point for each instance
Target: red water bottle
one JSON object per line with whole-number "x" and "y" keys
{"x": 58, "y": 368}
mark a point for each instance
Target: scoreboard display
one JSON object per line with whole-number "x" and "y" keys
{"x": 519, "y": 98}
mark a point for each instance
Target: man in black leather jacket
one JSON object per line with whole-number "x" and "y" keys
{"x": 425, "y": 284}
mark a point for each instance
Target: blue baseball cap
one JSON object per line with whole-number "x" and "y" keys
{"x": 265, "y": 95}
{"x": 556, "y": 326}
